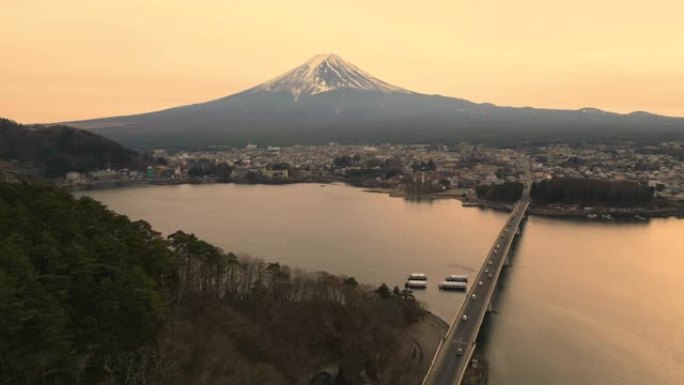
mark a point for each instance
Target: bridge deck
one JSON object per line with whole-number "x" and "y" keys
{"x": 452, "y": 357}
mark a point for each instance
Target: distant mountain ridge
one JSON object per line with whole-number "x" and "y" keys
{"x": 56, "y": 150}
{"x": 328, "y": 99}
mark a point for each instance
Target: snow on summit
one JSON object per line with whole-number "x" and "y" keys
{"x": 323, "y": 73}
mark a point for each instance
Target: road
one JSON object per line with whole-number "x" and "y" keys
{"x": 454, "y": 353}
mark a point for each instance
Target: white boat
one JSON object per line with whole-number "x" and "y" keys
{"x": 457, "y": 278}
{"x": 417, "y": 277}
{"x": 452, "y": 285}
{"x": 415, "y": 284}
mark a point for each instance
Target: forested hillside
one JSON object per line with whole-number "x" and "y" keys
{"x": 59, "y": 149}
{"x": 89, "y": 297}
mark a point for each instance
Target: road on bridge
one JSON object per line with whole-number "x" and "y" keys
{"x": 454, "y": 353}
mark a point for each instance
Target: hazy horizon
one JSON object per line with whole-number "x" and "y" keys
{"x": 80, "y": 60}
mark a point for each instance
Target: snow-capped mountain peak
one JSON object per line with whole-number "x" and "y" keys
{"x": 324, "y": 73}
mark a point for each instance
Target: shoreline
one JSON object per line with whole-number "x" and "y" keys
{"x": 421, "y": 341}
{"x": 609, "y": 213}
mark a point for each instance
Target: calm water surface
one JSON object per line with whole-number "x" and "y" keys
{"x": 585, "y": 303}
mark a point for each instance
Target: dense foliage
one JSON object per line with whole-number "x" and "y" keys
{"x": 59, "y": 149}
{"x": 89, "y": 297}
{"x": 590, "y": 192}
{"x": 79, "y": 286}
{"x": 506, "y": 192}
{"x": 221, "y": 171}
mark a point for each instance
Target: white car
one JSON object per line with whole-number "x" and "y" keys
{"x": 473, "y": 297}
{"x": 465, "y": 317}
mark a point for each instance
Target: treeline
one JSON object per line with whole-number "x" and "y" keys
{"x": 56, "y": 150}
{"x": 89, "y": 297}
{"x": 591, "y": 192}
{"x": 506, "y": 192}
{"x": 221, "y": 171}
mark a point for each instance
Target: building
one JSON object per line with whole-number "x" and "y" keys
{"x": 105, "y": 175}
{"x": 275, "y": 174}
{"x": 422, "y": 182}
{"x": 73, "y": 177}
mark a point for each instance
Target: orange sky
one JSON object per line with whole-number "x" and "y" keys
{"x": 77, "y": 59}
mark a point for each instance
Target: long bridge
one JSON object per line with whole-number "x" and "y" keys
{"x": 454, "y": 353}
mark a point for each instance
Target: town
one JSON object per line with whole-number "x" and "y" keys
{"x": 409, "y": 170}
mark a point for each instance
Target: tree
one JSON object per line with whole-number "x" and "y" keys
{"x": 196, "y": 171}
{"x": 88, "y": 296}
{"x": 223, "y": 171}
{"x": 351, "y": 281}
{"x": 80, "y": 286}
{"x": 342, "y": 161}
{"x": 407, "y": 295}
{"x": 505, "y": 192}
{"x": 590, "y": 192}
{"x": 383, "y": 291}
{"x": 431, "y": 166}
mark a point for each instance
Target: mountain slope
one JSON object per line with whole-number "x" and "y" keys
{"x": 328, "y": 99}
{"x": 59, "y": 149}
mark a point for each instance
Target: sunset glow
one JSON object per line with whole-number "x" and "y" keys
{"x": 78, "y": 59}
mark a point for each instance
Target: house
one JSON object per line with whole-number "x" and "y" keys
{"x": 73, "y": 177}
{"x": 105, "y": 175}
{"x": 275, "y": 174}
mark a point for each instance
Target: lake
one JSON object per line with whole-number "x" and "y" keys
{"x": 584, "y": 302}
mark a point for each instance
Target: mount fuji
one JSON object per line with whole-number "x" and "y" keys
{"x": 325, "y": 73}
{"x": 328, "y": 99}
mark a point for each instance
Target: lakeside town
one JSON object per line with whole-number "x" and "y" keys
{"x": 418, "y": 171}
